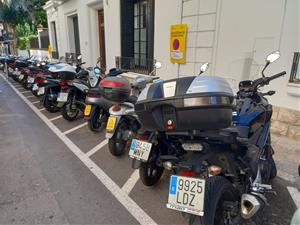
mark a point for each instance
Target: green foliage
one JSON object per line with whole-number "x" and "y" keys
{"x": 23, "y": 30}
{"x": 14, "y": 15}
{"x": 23, "y": 43}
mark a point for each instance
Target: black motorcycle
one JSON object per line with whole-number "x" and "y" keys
{"x": 220, "y": 152}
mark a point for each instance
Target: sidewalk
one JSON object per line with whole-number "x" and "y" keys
{"x": 287, "y": 157}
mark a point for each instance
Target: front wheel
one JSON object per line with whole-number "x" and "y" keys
{"x": 117, "y": 143}
{"x": 69, "y": 111}
{"x": 219, "y": 193}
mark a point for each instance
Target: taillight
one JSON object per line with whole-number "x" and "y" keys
{"x": 187, "y": 173}
{"x": 143, "y": 137}
{"x": 63, "y": 83}
{"x": 40, "y": 81}
{"x": 116, "y": 108}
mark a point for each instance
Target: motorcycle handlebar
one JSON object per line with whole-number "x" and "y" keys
{"x": 265, "y": 80}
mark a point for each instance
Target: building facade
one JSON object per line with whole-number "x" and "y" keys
{"x": 233, "y": 36}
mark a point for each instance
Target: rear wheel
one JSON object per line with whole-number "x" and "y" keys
{"x": 150, "y": 173}
{"x": 219, "y": 194}
{"x": 69, "y": 111}
{"x": 96, "y": 120}
{"x": 117, "y": 144}
{"x": 273, "y": 172}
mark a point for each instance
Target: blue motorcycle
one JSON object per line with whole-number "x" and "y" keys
{"x": 218, "y": 145}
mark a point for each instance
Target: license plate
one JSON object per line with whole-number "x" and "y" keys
{"x": 140, "y": 150}
{"x": 87, "y": 110}
{"x": 111, "y": 123}
{"x": 30, "y": 80}
{"x": 192, "y": 147}
{"x": 21, "y": 77}
{"x": 41, "y": 91}
{"x": 35, "y": 87}
{"x": 186, "y": 194}
{"x": 62, "y": 97}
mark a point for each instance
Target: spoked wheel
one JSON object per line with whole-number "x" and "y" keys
{"x": 117, "y": 144}
{"x": 69, "y": 111}
{"x": 220, "y": 203}
{"x": 96, "y": 120}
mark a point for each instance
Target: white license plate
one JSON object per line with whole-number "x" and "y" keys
{"x": 192, "y": 147}
{"x": 21, "y": 77}
{"x": 30, "y": 80}
{"x": 41, "y": 91}
{"x": 62, "y": 97}
{"x": 140, "y": 150}
{"x": 35, "y": 87}
{"x": 186, "y": 194}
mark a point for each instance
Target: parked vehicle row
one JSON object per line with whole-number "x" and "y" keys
{"x": 216, "y": 143}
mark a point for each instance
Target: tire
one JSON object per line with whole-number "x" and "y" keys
{"x": 217, "y": 190}
{"x": 26, "y": 85}
{"x": 50, "y": 106}
{"x": 150, "y": 173}
{"x": 273, "y": 172}
{"x": 96, "y": 121}
{"x": 116, "y": 144}
{"x": 66, "y": 109}
{"x": 35, "y": 93}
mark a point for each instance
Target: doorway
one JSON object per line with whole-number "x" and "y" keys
{"x": 101, "y": 39}
{"x": 76, "y": 34}
{"x": 73, "y": 31}
{"x": 55, "y": 53}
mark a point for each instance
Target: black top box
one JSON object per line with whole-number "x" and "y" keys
{"x": 186, "y": 104}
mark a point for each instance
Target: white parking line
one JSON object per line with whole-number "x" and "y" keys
{"x": 97, "y": 148}
{"x": 295, "y": 195}
{"x": 20, "y": 88}
{"x": 130, "y": 183}
{"x": 42, "y": 109}
{"x": 55, "y": 118}
{"x": 23, "y": 92}
{"x": 75, "y": 128}
{"x": 31, "y": 96}
{"x": 35, "y": 102}
{"x": 137, "y": 212}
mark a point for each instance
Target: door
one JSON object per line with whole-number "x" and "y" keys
{"x": 55, "y": 53}
{"x": 102, "y": 39}
{"x": 76, "y": 34}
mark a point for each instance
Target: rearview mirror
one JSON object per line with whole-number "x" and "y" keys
{"x": 273, "y": 57}
{"x": 204, "y": 67}
{"x": 158, "y": 65}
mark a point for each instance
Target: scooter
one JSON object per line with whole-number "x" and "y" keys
{"x": 54, "y": 89}
{"x": 77, "y": 91}
{"x": 220, "y": 152}
{"x": 97, "y": 108}
{"x": 123, "y": 123}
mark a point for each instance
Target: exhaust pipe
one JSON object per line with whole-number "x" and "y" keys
{"x": 250, "y": 205}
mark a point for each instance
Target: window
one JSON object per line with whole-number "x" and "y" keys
{"x": 295, "y": 77}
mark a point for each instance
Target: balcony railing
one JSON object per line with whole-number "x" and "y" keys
{"x": 137, "y": 65}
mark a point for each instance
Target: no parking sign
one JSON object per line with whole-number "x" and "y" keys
{"x": 177, "y": 43}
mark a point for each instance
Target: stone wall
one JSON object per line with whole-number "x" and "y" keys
{"x": 286, "y": 122}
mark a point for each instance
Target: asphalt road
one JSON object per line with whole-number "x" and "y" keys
{"x": 55, "y": 171}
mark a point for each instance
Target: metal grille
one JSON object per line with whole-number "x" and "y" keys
{"x": 137, "y": 65}
{"x": 294, "y": 77}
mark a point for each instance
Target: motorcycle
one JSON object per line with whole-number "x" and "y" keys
{"x": 77, "y": 91}
{"x": 123, "y": 123}
{"x": 97, "y": 108}
{"x": 220, "y": 152}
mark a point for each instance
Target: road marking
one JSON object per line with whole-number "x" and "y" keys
{"x": 130, "y": 183}
{"x": 20, "y": 88}
{"x": 55, "y": 118}
{"x": 35, "y": 102}
{"x": 137, "y": 212}
{"x": 75, "y": 128}
{"x": 97, "y": 148}
{"x": 23, "y": 92}
{"x": 42, "y": 109}
{"x": 31, "y": 96}
{"x": 295, "y": 195}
